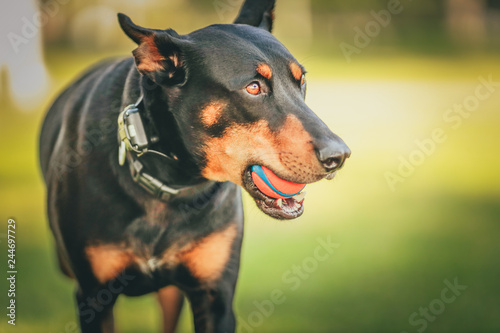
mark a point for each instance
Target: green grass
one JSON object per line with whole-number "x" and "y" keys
{"x": 396, "y": 248}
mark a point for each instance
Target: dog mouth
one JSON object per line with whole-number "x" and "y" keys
{"x": 279, "y": 206}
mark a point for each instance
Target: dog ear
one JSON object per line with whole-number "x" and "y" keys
{"x": 257, "y": 13}
{"x": 158, "y": 54}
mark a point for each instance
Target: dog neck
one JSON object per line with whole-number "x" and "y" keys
{"x": 165, "y": 169}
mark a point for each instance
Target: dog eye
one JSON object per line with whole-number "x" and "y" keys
{"x": 253, "y": 88}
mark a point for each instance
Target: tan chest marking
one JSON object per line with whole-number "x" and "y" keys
{"x": 108, "y": 261}
{"x": 207, "y": 259}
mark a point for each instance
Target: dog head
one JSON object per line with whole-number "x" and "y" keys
{"x": 237, "y": 97}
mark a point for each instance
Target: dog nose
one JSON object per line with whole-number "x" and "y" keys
{"x": 332, "y": 154}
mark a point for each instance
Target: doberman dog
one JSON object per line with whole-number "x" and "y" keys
{"x": 144, "y": 158}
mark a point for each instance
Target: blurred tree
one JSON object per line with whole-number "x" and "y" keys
{"x": 422, "y": 25}
{"x": 466, "y": 21}
{"x": 493, "y": 4}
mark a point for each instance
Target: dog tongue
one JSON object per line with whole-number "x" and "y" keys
{"x": 273, "y": 186}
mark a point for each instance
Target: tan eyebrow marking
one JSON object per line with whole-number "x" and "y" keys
{"x": 296, "y": 71}
{"x": 265, "y": 71}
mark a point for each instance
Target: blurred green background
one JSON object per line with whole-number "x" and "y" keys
{"x": 407, "y": 213}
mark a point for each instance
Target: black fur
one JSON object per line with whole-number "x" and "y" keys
{"x": 92, "y": 200}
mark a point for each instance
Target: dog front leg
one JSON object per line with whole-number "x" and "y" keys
{"x": 95, "y": 310}
{"x": 213, "y": 310}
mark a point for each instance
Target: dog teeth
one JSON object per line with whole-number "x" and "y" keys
{"x": 279, "y": 202}
{"x": 299, "y": 197}
{"x": 330, "y": 176}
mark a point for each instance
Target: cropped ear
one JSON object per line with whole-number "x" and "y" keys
{"x": 257, "y": 13}
{"x": 158, "y": 54}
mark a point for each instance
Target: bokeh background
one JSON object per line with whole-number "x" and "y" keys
{"x": 409, "y": 212}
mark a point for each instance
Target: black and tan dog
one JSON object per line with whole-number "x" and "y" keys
{"x": 144, "y": 198}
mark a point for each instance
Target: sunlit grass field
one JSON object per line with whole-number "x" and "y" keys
{"x": 395, "y": 247}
